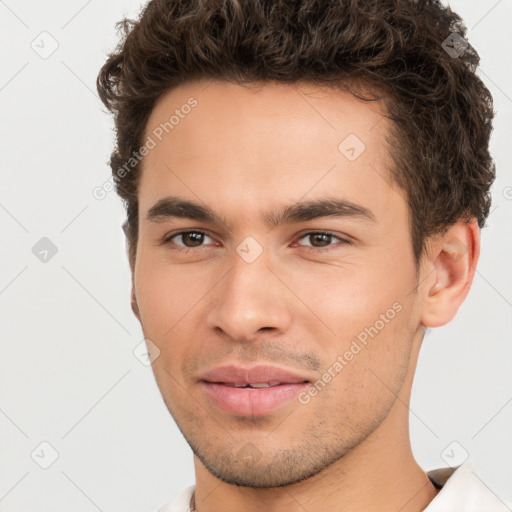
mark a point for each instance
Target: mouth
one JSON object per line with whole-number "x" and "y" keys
{"x": 252, "y": 391}
{"x": 254, "y": 385}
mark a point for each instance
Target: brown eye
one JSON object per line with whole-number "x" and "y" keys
{"x": 320, "y": 239}
{"x": 192, "y": 238}
{"x": 189, "y": 239}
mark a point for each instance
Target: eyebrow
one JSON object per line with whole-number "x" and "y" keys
{"x": 175, "y": 207}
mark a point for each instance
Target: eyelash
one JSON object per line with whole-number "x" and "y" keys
{"x": 181, "y": 250}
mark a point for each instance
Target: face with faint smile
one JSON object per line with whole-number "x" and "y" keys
{"x": 275, "y": 273}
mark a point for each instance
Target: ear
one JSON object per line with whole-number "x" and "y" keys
{"x": 449, "y": 270}
{"x": 133, "y": 298}
{"x": 135, "y": 306}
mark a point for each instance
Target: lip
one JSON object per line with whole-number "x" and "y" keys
{"x": 247, "y": 401}
{"x": 250, "y": 375}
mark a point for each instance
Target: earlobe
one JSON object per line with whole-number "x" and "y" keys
{"x": 449, "y": 272}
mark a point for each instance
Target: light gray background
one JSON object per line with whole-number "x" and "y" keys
{"x": 68, "y": 375}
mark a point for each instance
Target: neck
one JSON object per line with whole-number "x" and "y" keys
{"x": 379, "y": 474}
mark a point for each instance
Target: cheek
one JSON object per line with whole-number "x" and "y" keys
{"x": 166, "y": 295}
{"x": 368, "y": 376}
{"x": 373, "y": 326}
{"x": 351, "y": 296}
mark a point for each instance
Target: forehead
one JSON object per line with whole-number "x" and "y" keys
{"x": 225, "y": 110}
{"x": 266, "y": 142}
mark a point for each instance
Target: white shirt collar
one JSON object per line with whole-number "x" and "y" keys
{"x": 461, "y": 491}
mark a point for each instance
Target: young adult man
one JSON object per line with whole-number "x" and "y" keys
{"x": 305, "y": 185}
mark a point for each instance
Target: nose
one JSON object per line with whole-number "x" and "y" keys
{"x": 250, "y": 298}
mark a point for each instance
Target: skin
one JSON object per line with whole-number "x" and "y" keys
{"x": 244, "y": 151}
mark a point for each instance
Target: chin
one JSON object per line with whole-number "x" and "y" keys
{"x": 248, "y": 467}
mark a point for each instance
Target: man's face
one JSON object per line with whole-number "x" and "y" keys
{"x": 248, "y": 293}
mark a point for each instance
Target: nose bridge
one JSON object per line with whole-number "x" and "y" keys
{"x": 249, "y": 297}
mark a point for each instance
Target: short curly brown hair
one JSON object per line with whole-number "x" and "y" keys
{"x": 442, "y": 111}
